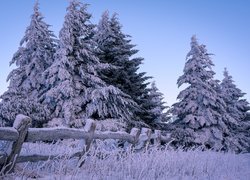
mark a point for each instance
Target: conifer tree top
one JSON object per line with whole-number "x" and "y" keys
{"x": 35, "y": 53}
{"x": 229, "y": 87}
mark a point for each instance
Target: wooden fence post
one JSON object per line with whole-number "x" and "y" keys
{"x": 21, "y": 124}
{"x": 90, "y": 128}
{"x": 135, "y": 132}
{"x": 144, "y": 138}
{"x": 157, "y": 138}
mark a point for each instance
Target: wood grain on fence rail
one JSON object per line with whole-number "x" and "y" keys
{"x": 8, "y": 134}
{"x": 50, "y": 134}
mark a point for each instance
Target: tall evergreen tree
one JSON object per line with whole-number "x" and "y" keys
{"x": 203, "y": 120}
{"x": 116, "y": 50}
{"x": 157, "y": 107}
{"x": 236, "y": 106}
{"x": 33, "y": 57}
{"x": 75, "y": 91}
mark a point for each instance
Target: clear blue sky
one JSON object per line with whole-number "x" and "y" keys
{"x": 161, "y": 29}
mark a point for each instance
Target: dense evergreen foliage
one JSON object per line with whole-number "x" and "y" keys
{"x": 157, "y": 107}
{"x": 236, "y": 106}
{"x": 203, "y": 119}
{"x": 116, "y": 50}
{"x": 33, "y": 57}
{"x": 75, "y": 90}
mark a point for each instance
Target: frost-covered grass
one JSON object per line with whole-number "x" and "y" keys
{"x": 152, "y": 164}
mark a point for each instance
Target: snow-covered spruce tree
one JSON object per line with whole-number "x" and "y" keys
{"x": 201, "y": 110}
{"x": 75, "y": 91}
{"x": 237, "y": 108}
{"x": 116, "y": 50}
{"x": 33, "y": 57}
{"x": 156, "y": 106}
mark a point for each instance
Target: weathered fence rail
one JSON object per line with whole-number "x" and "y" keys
{"x": 21, "y": 132}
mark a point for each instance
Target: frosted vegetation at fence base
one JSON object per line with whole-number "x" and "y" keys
{"x": 103, "y": 163}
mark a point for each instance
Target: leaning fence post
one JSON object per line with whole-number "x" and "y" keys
{"x": 21, "y": 124}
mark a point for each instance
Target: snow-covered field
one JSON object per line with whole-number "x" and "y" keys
{"x": 103, "y": 164}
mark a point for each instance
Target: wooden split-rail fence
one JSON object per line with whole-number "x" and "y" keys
{"x": 21, "y": 132}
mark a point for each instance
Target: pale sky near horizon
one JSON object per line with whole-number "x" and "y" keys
{"x": 161, "y": 29}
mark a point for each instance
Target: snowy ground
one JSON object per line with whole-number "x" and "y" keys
{"x": 116, "y": 165}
